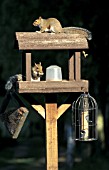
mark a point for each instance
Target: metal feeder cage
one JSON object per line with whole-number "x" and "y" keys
{"x": 84, "y": 118}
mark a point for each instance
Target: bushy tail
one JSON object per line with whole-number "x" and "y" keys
{"x": 78, "y": 30}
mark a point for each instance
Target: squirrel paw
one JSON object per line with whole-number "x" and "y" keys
{"x": 38, "y": 31}
{"x": 52, "y": 32}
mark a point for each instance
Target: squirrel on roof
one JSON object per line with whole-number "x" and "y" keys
{"x": 53, "y": 25}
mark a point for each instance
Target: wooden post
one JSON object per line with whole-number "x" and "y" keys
{"x": 51, "y": 135}
{"x": 71, "y": 65}
{"x": 77, "y": 66}
{"x": 26, "y": 66}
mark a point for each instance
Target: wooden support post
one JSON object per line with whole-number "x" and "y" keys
{"x": 71, "y": 65}
{"x": 26, "y": 66}
{"x": 40, "y": 110}
{"x": 51, "y": 136}
{"x": 77, "y": 66}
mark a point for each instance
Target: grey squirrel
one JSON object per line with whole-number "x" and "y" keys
{"x": 37, "y": 72}
{"x": 54, "y": 25}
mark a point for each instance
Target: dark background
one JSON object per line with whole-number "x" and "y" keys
{"x": 17, "y": 15}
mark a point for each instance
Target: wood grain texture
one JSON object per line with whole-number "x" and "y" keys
{"x": 28, "y": 66}
{"x": 40, "y": 110}
{"x": 62, "y": 109}
{"x": 51, "y": 136}
{"x": 71, "y": 65}
{"x": 52, "y": 86}
{"x": 33, "y": 40}
{"x": 77, "y": 65}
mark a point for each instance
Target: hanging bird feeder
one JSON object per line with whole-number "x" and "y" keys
{"x": 84, "y": 117}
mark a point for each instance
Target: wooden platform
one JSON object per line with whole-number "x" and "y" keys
{"x": 52, "y": 86}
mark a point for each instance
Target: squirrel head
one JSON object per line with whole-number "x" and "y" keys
{"x": 37, "y": 22}
{"x": 37, "y": 70}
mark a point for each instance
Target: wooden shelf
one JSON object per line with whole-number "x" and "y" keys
{"x": 52, "y": 86}
{"x": 33, "y": 40}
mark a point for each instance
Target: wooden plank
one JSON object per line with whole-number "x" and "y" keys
{"x": 34, "y": 35}
{"x": 28, "y": 66}
{"x": 52, "y": 86}
{"x": 77, "y": 65}
{"x": 62, "y": 109}
{"x": 33, "y": 40}
{"x": 71, "y": 65}
{"x": 51, "y": 136}
{"x": 40, "y": 110}
{"x": 24, "y": 66}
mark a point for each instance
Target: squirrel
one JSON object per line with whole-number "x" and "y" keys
{"x": 53, "y": 25}
{"x": 48, "y": 25}
{"x": 37, "y": 72}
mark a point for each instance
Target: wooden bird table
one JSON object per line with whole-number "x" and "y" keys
{"x": 75, "y": 43}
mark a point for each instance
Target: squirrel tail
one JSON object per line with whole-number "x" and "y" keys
{"x": 78, "y": 30}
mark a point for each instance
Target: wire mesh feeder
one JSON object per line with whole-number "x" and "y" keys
{"x": 84, "y": 118}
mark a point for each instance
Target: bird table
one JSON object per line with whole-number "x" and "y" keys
{"x": 75, "y": 44}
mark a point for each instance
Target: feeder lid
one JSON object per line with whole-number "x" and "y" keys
{"x": 53, "y": 73}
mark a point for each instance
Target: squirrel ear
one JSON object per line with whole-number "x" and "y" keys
{"x": 40, "y": 17}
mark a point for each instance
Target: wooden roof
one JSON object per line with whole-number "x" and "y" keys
{"x": 36, "y": 41}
